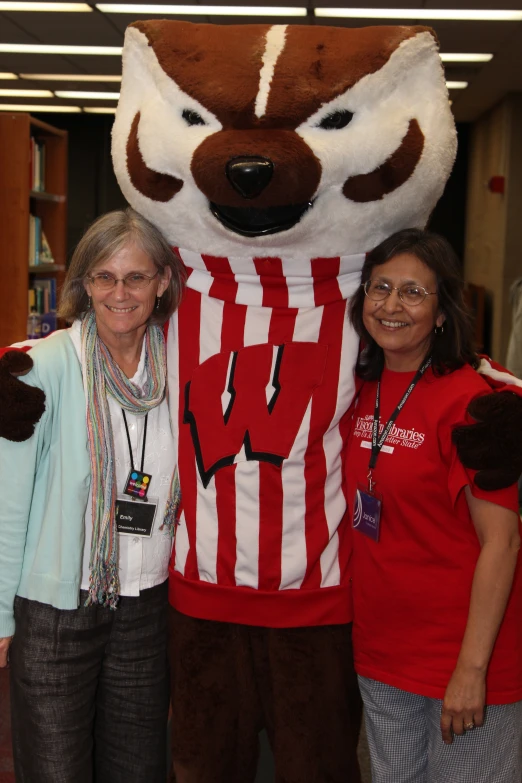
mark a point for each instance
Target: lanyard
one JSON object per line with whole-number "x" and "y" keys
{"x": 129, "y": 441}
{"x": 377, "y": 443}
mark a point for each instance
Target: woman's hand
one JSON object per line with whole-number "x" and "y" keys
{"x": 4, "y": 648}
{"x": 497, "y": 530}
{"x": 463, "y": 704}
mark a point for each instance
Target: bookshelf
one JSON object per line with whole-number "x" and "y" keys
{"x": 18, "y": 200}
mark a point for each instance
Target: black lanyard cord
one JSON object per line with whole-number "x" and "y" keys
{"x": 129, "y": 440}
{"x": 377, "y": 443}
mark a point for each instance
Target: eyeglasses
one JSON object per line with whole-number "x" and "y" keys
{"x": 409, "y": 293}
{"x": 104, "y": 281}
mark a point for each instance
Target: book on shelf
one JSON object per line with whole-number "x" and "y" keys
{"x": 48, "y": 287}
{"x": 30, "y": 252}
{"x": 42, "y": 166}
{"x": 36, "y": 165}
{"x": 46, "y": 256}
{"x": 48, "y": 323}
{"x": 39, "y": 248}
{"x": 42, "y": 305}
{"x": 35, "y": 239}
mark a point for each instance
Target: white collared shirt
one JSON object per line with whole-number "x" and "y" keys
{"x": 143, "y": 562}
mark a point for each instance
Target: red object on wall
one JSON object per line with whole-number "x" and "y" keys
{"x": 497, "y": 184}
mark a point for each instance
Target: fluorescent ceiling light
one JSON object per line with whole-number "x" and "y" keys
{"x": 67, "y": 77}
{"x": 10, "y": 48}
{"x": 99, "y": 110}
{"x": 421, "y": 14}
{"x": 8, "y": 76}
{"x": 5, "y": 93}
{"x": 466, "y": 58}
{"x": 69, "y": 7}
{"x": 36, "y": 107}
{"x": 81, "y": 95}
{"x": 456, "y": 85}
{"x": 197, "y": 10}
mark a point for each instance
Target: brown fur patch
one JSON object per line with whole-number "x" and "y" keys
{"x": 156, "y": 186}
{"x": 392, "y": 174}
{"x": 320, "y": 63}
{"x": 219, "y": 66}
{"x": 296, "y": 175}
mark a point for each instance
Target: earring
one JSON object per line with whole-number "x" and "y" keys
{"x": 158, "y": 301}
{"x": 439, "y": 329}
{"x": 88, "y": 303}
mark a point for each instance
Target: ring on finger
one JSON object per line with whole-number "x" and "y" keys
{"x": 469, "y": 726}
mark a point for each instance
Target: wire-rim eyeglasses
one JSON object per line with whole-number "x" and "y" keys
{"x": 409, "y": 293}
{"x": 135, "y": 281}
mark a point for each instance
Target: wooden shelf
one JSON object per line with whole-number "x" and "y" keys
{"x": 45, "y": 129}
{"x": 17, "y": 202}
{"x": 41, "y": 269}
{"x": 41, "y": 195}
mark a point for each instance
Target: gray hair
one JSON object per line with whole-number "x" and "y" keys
{"x": 105, "y": 237}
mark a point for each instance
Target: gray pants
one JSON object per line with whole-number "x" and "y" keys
{"x": 406, "y": 745}
{"x": 90, "y": 691}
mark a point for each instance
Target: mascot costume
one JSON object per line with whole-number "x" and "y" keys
{"x": 273, "y": 158}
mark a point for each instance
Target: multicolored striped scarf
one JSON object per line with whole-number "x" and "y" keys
{"x": 102, "y": 376}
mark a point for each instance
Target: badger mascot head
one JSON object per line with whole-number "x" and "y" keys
{"x": 282, "y": 141}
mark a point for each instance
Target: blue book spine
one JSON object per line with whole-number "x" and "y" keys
{"x": 52, "y": 294}
{"x": 48, "y": 321}
{"x": 50, "y": 284}
{"x": 37, "y": 240}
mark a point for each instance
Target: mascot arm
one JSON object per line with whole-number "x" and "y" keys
{"x": 21, "y": 406}
{"x": 492, "y": 443}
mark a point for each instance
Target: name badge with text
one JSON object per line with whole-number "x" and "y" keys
{"x": 367, "y": 513}
{"x": 135, "y": 518}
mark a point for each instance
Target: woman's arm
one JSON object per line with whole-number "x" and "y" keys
{"x": 18, "y": 461}
{"x": 18, "y": 466}
{"x": 498, "y": 533}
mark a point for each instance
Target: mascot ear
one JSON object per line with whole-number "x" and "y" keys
{"x": 492, "y": 445}
{"x": 21, "y": 406}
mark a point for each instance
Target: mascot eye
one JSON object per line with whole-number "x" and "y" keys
{"x": 336, "y": 120}
{"x": 192, "y": 117}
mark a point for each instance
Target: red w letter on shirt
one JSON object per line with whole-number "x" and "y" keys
{"x": 254, "y": 398}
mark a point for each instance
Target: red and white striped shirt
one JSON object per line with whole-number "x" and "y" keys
{"x": 261, "y": 370}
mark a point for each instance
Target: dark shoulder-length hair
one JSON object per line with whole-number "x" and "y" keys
{"x": 450, "y": 348}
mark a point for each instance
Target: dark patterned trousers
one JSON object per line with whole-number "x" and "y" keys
{"x": 90, "y": 691}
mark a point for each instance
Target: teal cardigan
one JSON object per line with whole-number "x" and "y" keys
{"x": 46, "y": 482}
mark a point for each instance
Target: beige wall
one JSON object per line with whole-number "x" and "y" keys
{"x": 493, "y": 254}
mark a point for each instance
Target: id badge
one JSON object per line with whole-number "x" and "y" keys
{"x": 135, "y": 518}
{"x": 367, "y": 512}
{"x": 137, "y": 484}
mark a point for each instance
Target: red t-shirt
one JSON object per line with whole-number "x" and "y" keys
{"x": 411, "y": 590}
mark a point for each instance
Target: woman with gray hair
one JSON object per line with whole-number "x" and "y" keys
{"x": 86, "y": 531}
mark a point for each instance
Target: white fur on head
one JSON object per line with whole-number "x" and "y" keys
{"x": 410, "y": 86}
{"x": 165, "y": 141}
{"x": 275, "y": 41}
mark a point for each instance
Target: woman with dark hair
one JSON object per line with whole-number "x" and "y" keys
{"x": 84, "y": 544}
{"x": 437, "y": 587}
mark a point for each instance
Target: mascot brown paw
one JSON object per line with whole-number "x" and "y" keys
{"x": 492, "y": 445}
{"x": 21, "y": 406}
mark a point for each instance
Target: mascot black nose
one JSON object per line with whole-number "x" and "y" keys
{"x": 249, "y": 175}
